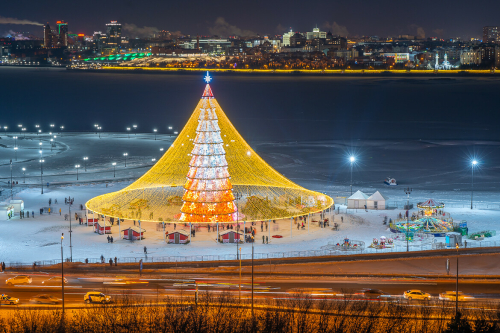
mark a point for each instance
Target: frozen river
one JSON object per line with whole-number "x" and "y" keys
{"x": 434, "y": 169}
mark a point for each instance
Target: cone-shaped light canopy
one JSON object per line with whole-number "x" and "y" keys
{"x": 193, "y": 176}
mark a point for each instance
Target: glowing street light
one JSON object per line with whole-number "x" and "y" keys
{"x": 85, "y": 159}
{"x": 77, "y": 167}
{"x": 352, "y": 159}
{"x": 473, "y": 164}
{"x": 5, "y": 128}
{"x": 125, "y": 154}
{"x": 114, "y": 169}
{"x": 135, "y": 127}
{"x": 52, "y": 125}
{"x": 24, "y": 175}
{"x": 155, "y": 130}
{"x": 128, "y": 130}
{"x": 24, "y": 130}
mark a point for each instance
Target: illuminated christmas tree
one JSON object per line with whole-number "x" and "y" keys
{"x": 209, "y": 193}
{"x": 218, "y": 163}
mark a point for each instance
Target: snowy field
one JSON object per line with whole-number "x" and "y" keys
{"x": 438, "y": 170}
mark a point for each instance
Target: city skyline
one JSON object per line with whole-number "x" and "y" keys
{"x": 426, "y": 20}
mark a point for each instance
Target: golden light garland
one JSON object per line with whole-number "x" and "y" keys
{"x": 207, "y": 193}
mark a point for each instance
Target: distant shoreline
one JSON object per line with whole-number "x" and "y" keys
{"x": 298, "y": 72}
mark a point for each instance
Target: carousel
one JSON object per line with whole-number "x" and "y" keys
{"x": 430, "y": 204}
{"x": 430, "y": 222}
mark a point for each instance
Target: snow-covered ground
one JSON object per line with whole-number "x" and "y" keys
{"x": 436, "y": 170}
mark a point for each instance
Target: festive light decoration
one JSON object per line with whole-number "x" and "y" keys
{"x": 196, "y": 178}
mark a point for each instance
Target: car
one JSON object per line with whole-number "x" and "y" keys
{"x": 452, "y": 296}
{"x": 45, "y": 299}
{"x": 6, "y": 299}
{"x": 54, "y": 281}
{"x": 17, "y": 280}
{"x": 373, "y": 293}
{"x": 96, "y": 297}
{"x": 416, "y": 294}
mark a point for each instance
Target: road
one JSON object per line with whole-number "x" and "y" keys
{"x": 157, "y": 288}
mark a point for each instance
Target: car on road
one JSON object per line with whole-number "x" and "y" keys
{"x": 374, "y": 294}
{"x": 19, "y": 279}
{"x": 452, "y": 296}
{"x": 416, "y": 294}
{"x": 6, "y": 299}
{"x": 96, "y": 297}
{"x": 54, "y": 281}
{"x": 45, "y": 299}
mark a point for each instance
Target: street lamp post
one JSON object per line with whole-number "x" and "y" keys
{"x": 237, "y": 197}
{"x": 15, "y": 146}
{"x": 407, "y": 191}
{"x": 474, "y": 163}
{"x": 24, "y": 132}
{"x": 114, "y": 169}
{"x": 41, "y": 166}
{"x": 61, "y": 129}
{"x": 456, "y": 295}
{"x": 240, "y": 278}
{"x": 125, "y": 154}
{"x": 128, "y": 130}
{"x": 11, "y": 194}
{"x": 135, "y": 128}
{"x": 253, "y": 241}
{"x": 62, "y": 273}
{"x": 85, "y": 159}
{"x": 155, "y": 130}
{"x": 77, "y": 167}
{"x": 352, "y": 159}
{"x": 24, "y": 175}
{"x": 69, "y": 202}
{"x": 99, "y": 128}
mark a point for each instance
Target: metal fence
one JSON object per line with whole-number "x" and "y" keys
{"x": 334, "y": 251}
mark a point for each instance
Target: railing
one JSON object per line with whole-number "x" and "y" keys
{"x": 270, "y": 255}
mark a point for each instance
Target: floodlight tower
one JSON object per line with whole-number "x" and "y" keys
{"x": 473, "y": 164}
{"x": 352, "y": 159}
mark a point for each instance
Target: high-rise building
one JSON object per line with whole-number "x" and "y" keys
{"x": 113, "y": 33}
{"x": 316, "y": 34}
{"x": 286, "y": 37}
{"x": 62, "y": 30}
{"x": 490, "y": 34}
{"x": 47, "y": 36}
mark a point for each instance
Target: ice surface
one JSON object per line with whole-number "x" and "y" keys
{"x": 438, "y": 170}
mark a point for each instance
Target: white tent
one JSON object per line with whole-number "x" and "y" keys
{"x": 357, "y": 200}
{"x": 376, "y": 201}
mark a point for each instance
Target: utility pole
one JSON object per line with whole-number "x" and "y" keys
{"x": 62, "y": 274}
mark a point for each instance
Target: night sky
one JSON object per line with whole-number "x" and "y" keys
{"x": 383, "y": 18}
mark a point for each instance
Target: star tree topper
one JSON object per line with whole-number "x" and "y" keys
{"x": 208, "y": 78}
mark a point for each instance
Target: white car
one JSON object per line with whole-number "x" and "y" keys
{"x": 20, "y": 279}
{"x": 416, "y": 294}
{"x": 452, "y": 296}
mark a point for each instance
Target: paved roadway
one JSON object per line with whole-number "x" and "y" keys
{"x": 153, "y": 289}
